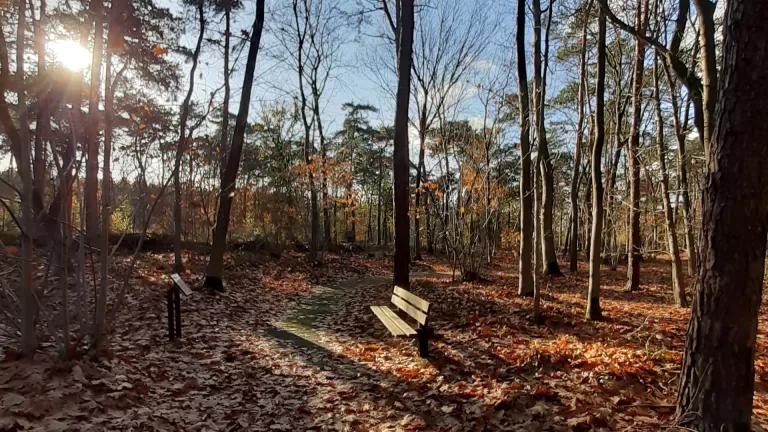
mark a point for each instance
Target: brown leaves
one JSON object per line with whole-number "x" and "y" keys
{"x": 158, "y": 51}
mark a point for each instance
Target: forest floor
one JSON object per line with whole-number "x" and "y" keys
{"x": 289, "y": 347}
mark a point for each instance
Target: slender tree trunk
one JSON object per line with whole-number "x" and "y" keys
{"x": 678, "y": 285}
{"x": 419, "y": 185}
{"x": 706, "y": 15}
{"x": 594, "y": 312}
{"x": 106, "y": 214}
{"x": 301, "y": 33}
{"x": 215, "y": 267}
{"x": 43, "y": 126}
{"x": 224, "y": 147}
{"x": 92, "y": 144}
{"x": 323, "y": 172}
{"x": 573, "y": 244}
{"x": 526, "y": 287}
{"x": 379, "y": 198}
{"x": 633, "y": 267}
{"x": 27, "y": 289}
{"x": 682, "y": 172}
{"x": 405, "y": 26}
{"x": 548, "y": 191}
{"x": 181, "y": 145}
{"x": 538, "y": 232}
{"x": 430, "y": 240}
{"x": 717, "y": 378}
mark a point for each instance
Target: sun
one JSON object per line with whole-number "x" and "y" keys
{"x": 70, "y": 54}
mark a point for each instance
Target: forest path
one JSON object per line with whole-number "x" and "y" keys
{"x": 306, "y": 327}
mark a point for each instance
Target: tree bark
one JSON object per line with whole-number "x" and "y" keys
{"x": 594, "y": 313}
{"x": 400, "y": 164}
{"x": 717, "y": 378}
{"x": 525, "y": 287}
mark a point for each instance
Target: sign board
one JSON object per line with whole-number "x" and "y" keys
{"x": 181, "y": 284}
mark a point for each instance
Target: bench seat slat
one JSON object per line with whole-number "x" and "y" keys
{"x": 394, "y": 323}
{"x": 419, "y": 302}
{"x": 410, "y": 309}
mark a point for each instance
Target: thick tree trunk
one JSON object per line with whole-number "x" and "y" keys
{"x": 633, "y": 265}
{"x": 594, "y": 313}
{"x": 573, "y": 235}
{"x": 181, "y": 145}
{"x": 678, "y": 285}
{"x": 400, "y": 157}
{"x": 717, "y": 378}
{"x": 525, "y": 287}
{"x": 215, "y": 267}
{"x": 92, "y": 143}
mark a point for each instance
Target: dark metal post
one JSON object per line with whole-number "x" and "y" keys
{"x": 177, "y": 305}
{"x": 169, "y": 296}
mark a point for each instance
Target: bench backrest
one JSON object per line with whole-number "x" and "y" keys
{"x": 416, "y": 307}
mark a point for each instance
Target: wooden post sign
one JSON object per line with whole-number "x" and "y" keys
{"x": 174, "y": 305}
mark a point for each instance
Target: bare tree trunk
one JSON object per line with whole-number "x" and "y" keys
{"x": 419, "y": 185}
{"x": 405, "y": 24}
{"x": 538, "y": 232}
{"x": 181, "y": 145}
{"x": 526, "y": 281}
{"x": 706, "y": 11}
{"x": 101, "y": 298}
{"x": 27, "y": 289}
{"x": 682, "y": 172}
{"x": 573, "y": 244}
{"x": 301, "y": 35}
{"x": 215, "y": 267}
{"x": 548, "y": 248}
{"x": 594, "y": 312}
{"x": 717, "y": 378}
{"x": 43, "y": 124}
{"x": 633, "y": 267}
{"x": 224, "y": 147}
{"x": 678, "y": 285}
{"x": 92, "y": 143}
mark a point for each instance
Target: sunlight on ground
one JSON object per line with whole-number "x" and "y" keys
{"x": 70, "y": 54}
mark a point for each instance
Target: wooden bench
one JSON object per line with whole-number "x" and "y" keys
{"x": 414, "y": 309}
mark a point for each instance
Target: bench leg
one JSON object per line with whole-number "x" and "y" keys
{"x": 424, "y": 334}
